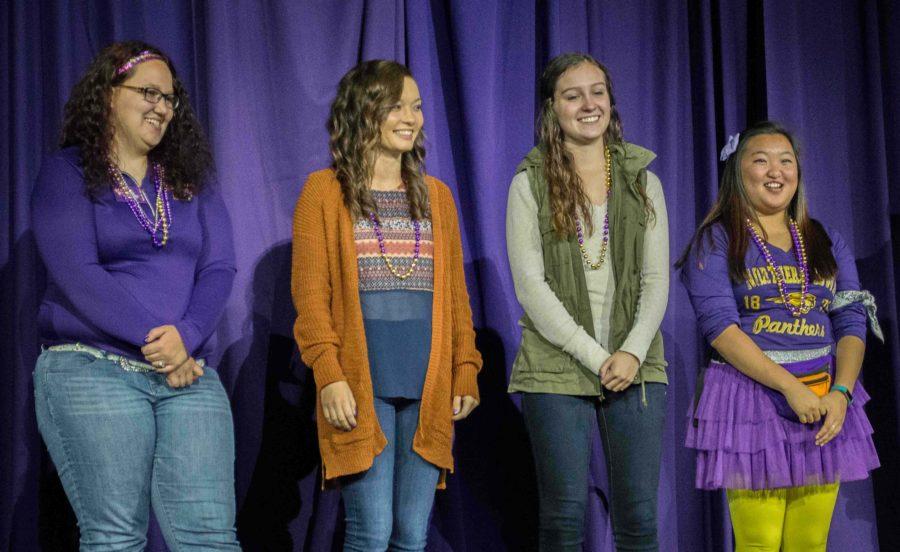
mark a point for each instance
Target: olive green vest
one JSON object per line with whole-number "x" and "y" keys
{"x": 541, "y": 367}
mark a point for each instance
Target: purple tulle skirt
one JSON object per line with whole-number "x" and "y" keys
{"x": 743, "y": 443}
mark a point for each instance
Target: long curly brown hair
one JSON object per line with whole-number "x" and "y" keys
{"x": 567, "y": 196}
{"x": 364, "y": 98}
{"x": 183, "y": 152}
{"x": 733, "y": 208}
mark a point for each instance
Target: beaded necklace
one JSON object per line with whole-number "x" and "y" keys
{"x": 158, "y": 228}
{"x": 418, "y": 231}
{"x": 778, "y": 271}
{"x": 580, "y": 232}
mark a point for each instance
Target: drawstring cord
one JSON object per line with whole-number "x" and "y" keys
{"x": 643, "y": 391}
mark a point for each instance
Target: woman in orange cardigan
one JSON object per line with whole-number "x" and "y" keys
{"x": 384, "y": 319}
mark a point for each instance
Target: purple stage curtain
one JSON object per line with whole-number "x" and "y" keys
{"x": 262, "y": 76}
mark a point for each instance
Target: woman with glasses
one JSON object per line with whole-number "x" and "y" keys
{"x": 384, "y": 319}
{"x": 139, "y": 257}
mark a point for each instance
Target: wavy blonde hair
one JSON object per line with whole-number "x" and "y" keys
{"x": 567, "y": 197}
{"x": 364, "y": 99}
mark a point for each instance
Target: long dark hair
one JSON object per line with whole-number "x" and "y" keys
{"x": 567, "y": 197}
{"x": 364, "y": 98}
{"x": 733, "y": 208}
{"x": 183, "y": 152}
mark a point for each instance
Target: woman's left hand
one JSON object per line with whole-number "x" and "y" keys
{"x": 463, "y": 406}
{"x": 184, "y": 375}
{"x": 834, "y": 404}
{"x": 617, "y": 373}
{"x": 164, "y": 347}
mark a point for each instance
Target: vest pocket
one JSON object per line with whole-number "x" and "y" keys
{"x": 536, "y": 354}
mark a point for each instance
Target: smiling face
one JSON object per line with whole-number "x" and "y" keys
{"x": 770, "y": 173}
{"x": 138, "y": 125}
{"x": 581, "y": 103}
{"x": 403, "y": 123}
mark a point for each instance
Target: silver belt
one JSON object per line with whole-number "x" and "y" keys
{"x": 124, "y": 362}
{"x": 785, "y": 357}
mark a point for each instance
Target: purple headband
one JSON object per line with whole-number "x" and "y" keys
{"x": 146, "y": 55}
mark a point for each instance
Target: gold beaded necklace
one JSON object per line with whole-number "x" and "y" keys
{"x": 807, "y": 299}
{"x": 579, "y": 231}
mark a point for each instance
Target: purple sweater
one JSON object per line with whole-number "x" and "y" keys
{"x": 107, "y": 285}
{"x": 755, "y": 303}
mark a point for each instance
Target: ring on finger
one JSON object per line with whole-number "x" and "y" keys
{"x": 159, "y": 364}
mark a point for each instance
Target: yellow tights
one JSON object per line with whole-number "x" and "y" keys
{"x": 793, "y": 519}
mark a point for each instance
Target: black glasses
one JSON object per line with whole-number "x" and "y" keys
{"x": 153, "y": 95}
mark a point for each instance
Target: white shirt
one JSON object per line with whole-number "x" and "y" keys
{"x": 546, "y": 311}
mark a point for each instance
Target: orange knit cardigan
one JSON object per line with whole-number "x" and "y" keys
{"x": 329, "y": 327}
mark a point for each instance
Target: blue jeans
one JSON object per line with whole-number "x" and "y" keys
{"x": 559, "y": 427}
{"x": 124, "y": 440}
{"x": 388, "y": 506}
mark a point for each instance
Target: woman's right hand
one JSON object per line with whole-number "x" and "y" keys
{"x": 339, "y": 406}
{"x": 803, "y": 402}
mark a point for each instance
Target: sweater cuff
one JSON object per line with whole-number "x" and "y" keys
{"x": 587, "y": 351}
{"x": 595, "y": 361}
{"x": 190, "y": 337}
{"x": 327, "y": 371}
{"x": 465, "y": 381}
{"x": 632, "y": 347}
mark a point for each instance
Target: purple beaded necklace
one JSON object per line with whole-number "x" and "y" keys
{"x": 579, "y": 231}
{"x": 158, "y": 228}
{"x": 417, "y": 227}
{"x": 778, "y": 271}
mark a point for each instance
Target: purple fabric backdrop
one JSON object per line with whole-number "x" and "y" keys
{"x": 262, "y": 75}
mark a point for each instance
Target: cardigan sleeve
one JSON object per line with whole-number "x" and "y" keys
{"x": 467, "y": 360}
{"x": 214, "y": 274}
{"x": 66, "y": 237}
{"x": 311, "y": 287}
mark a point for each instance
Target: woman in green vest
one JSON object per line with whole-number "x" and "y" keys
{"x": 587, "y": 235}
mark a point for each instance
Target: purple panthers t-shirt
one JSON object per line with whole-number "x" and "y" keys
{"x": 756, "y": 305}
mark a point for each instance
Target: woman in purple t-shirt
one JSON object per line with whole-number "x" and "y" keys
{"x": 139, "y": 261}
{"x": 779, "y": 422}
